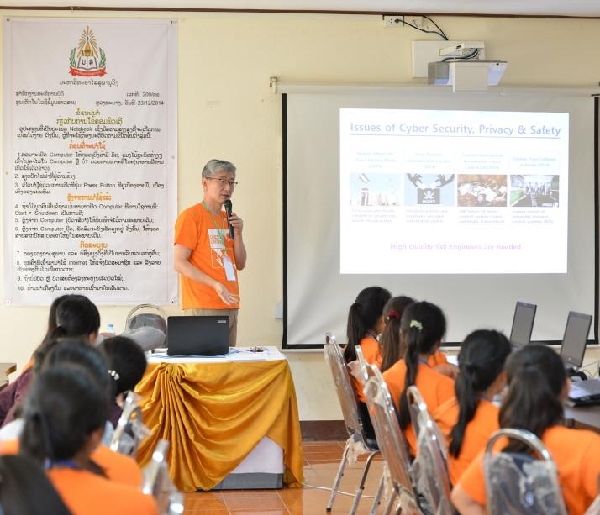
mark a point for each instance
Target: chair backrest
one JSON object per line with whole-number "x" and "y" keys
{"x": 343, "y": 385}
{"x": 364, "y": 369}
{"x": 390, "y": 438}
{"x": 130, "y": 430}
{"x": 430, "y": 468}
{"x": 522, "y": 482}
{"x": 157, "y": 482}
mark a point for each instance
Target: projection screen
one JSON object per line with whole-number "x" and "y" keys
{"x": 470, "y": 201}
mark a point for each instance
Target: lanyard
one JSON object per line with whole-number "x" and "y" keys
{"x": 220, "y": 230}
{"x": 68, "y": 464}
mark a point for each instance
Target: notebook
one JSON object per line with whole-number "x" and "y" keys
{"x": 522, "y": 326}
{"x": 197, "y": 335}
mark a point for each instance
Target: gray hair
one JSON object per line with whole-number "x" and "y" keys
{"x": 215, "y": 165}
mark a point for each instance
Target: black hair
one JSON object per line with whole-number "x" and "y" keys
{"x": 75, "y": 315}
{"x": 536, "y": 378}
{"x": 52, "y": 313}
{"x": 390, "y": 337}
{"x": 363, "y": 316}
{"x": 65, "y": 405}
{"x": 422, "y": 326}
{"x": 81, "y": 353}
{"x": 481, "y": 360}
{"x": 25, "y": 488}
{"x": 127, "y": 359}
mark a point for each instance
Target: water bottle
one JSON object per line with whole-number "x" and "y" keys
{"x": 111, "y": 329}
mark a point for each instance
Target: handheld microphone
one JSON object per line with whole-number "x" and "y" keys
{"x": 228, "y": 206}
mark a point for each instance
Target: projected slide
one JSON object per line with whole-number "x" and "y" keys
{"x": 453, "y": 192}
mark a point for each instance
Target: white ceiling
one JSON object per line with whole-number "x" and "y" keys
{"x": 573, "y": 8}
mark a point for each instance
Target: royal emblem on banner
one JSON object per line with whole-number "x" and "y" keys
{"x": 87, "y": 58}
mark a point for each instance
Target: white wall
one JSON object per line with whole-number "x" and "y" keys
{"x": 227, "y": 110}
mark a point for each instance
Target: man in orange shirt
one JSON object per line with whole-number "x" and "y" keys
{"x": 206, "y": 256}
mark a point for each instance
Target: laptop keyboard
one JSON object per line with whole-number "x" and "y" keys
{"x": 591, "y": 386}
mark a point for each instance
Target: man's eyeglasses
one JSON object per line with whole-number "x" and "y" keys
{"x": 225, "y": 182}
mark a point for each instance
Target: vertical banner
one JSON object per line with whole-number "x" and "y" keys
{"x": 90, "y": 163}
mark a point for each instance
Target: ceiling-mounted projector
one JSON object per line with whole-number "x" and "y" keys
{"x": 466, "y": 75}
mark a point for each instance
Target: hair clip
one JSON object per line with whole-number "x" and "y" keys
{"x": 114, "y": 374}
{"x": 393, "y": 314}
{"x": 417, "y": 324}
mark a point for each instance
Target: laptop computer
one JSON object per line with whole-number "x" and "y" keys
{"x": 197, "y": 335}
{"x": 522, "y": 325}
{"x": 572, "y": 351}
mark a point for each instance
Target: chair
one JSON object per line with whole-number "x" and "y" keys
{"x": 147, "y": 325}
{"x": 157, "y": 482}
{"x": 521, "y": 482}
{"x": 357, "y": 443}
{"x": 392, "y": 445}
{"x": 430, "y": 467}
{"x": 130, "y": 430}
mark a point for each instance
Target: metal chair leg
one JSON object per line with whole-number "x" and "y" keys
{"x": 390, "y": 502}
{"x": 378, "y": 495}
{"x": 361, "y": 486}
{"x": 338, "y": 477}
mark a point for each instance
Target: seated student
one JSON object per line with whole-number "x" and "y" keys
{"x": 74, "y": 315}
{"x": 391, "y": 343}
{"x": 365, "y": 323}
{"x": 128, "y": 361}
{"x": 422, "y": 328}
{"x": 537, "y": 388}
{"x": 469, "y": 419}
{"x": 117, "y": 467}
{"x": 64, "y": 419}
{"x": 25, "y": 489}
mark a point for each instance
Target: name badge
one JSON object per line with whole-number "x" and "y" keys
{"x": 229, "y": 268}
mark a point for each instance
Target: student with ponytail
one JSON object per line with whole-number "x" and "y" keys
{"x": 365, "y": 323}
{"x": 469, "y": 418}
{"x": 70, "y": 315}
{"x": 76, "y": 351}
{"x": 422, "y": 328}
{"x": 537, "y": 389}
{"x": 65, "y": 413}
{"x": 391, "y": 343}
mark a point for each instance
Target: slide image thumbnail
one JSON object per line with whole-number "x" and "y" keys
{"x": 482, "y": 190}
{"x": 534, "y": 190}
{"x": 429, "y": 189}
{"x": 375, "y": 189}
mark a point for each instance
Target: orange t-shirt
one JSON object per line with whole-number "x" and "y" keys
{"x": 117, "y": 467}
{"x": 576, "y": 453}
{"x": 371, "y": 351}
{"x": 85, "y": 493}
{"x": 437, "y": 358}
{"x": 477, "y": 433}
{"x": 434, "y": 387}
{"x": 207, "y": 236}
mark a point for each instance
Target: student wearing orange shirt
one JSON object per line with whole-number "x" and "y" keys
{"x": 116, "y": 467}
{"x": 422, "y": 328}
{"x": 70, "y": 315}
{"x": 365, "y": 323}
{"x": 64, "y": 421}
{"x": 537, "y": 388}
{"x": 469, "y": 419}
{"x": 391, "y": 343}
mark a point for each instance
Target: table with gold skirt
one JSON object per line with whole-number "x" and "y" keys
{"x": 214, "y": 411}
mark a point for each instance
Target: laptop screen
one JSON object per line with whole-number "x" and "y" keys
{"x": 575, "y": 338}
{"x": 205, "y": 335}
{"x": 522, "y": 325}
